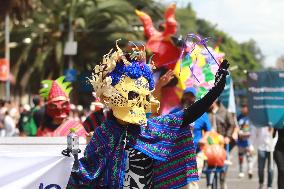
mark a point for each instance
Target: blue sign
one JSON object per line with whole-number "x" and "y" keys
{"x": 266, "y": 98}
{"x": 70, "y": 75}
{"x": 225, "y": 95}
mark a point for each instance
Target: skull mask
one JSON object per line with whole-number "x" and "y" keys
{"x": 134, "y": 100}
{"x": 124, "y": 82}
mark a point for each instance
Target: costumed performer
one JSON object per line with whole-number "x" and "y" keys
{"x": 128, "y": 150}
{"x": 56, "y": 121}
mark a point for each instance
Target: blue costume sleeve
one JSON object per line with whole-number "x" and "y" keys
{"x": 180, "y": 167}
{"x": 165, "y": 127}
{"x": 157, "y": 138}
{"x": 92, "y": 164}
{"x": 207, "y": 124}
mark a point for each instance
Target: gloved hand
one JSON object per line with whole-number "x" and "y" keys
{"x": 222, "y": 72}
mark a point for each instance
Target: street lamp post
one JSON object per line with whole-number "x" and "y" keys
{"x": 71, "y": 46}
{"x": 70, "y": 40}
{"x": 7, "y": 53}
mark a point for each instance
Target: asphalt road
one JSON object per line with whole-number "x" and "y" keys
{"x": 234, "y": 182}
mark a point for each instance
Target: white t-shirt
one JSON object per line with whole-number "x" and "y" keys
{"x": 9, "y": 126}
{"x": 262, "y": 139}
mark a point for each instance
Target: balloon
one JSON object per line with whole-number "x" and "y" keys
{"x": 214, "y": 149}
{"x": 216, "y": 155}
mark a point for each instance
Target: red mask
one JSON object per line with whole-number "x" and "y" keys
{"x": 58, "y": 103}
{"x": 160, "y": 44}
{"x": 58, "y": 109}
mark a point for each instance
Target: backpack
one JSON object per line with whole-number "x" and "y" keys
{"x": 29, "y": 125}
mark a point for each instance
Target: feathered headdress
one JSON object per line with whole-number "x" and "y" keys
{"x": 55, "y": 89}
{"x": 101, "y": 79}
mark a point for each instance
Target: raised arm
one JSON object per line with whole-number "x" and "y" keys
{"x": 199, "y": 107}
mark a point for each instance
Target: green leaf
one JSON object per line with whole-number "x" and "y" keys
{"x": 210, "y": 140}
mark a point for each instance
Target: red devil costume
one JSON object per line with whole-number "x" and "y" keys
{"x": 161, "y": 44}
{"x": 165, "y": 50}
{"x": 55, "y": 121}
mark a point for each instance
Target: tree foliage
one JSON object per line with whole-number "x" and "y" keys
{"x": 96, "y": 25}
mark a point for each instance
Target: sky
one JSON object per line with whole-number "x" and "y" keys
{"x": 261, "y": 20}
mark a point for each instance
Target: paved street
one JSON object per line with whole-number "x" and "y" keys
{"x": 236, "y": 183}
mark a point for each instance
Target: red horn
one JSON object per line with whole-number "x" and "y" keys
{"x": 171, "y": 23}
{"x": 149, "y": 29}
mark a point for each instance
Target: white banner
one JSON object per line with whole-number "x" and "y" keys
{"x": 34, "y": 170}
{"x": 232, "y": 102}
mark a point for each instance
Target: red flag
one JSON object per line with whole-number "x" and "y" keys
{"x": 4, "y": 69}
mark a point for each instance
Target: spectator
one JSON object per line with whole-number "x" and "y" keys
{"x": 31, "y": 120}
{"x": 24, "y": 117}
{"x": 2, "y": 114}
{"x": 9, "y": 125}
{"x": 262, "y": 139}
{"x": 38, "y": 110}
{"x": 80, "y": 113}
{"x": 223, "y": 123}
{"x": 279, "y": 157}
{"x": 244, "y": 146}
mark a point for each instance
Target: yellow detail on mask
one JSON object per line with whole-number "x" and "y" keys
{"x": 134, "y": 100}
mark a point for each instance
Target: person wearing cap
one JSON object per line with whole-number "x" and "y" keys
{"x": 202, "y": 124}
{"x": 200, "y": 127}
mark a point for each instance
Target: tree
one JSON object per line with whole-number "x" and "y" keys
{"x": 42, "y": 34}
{"x": 16, "y": 8}
{"x": 280, "y": 62}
